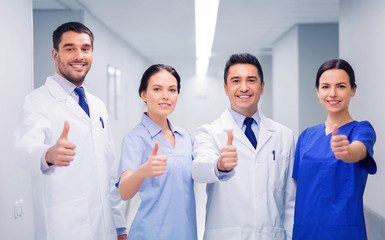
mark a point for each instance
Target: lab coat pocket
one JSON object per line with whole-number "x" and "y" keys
{"x": 278, "y": 165}
{"x": 69, "y": 221}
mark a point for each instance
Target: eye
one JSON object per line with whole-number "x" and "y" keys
{"x": 69, "y": 49}
{"x": 324, "y": 87}
{"x": 341, "y": 86}
{"x": 235, "y": 81}
{"x": 173, "y": 90}
{"x": 156, "y": 89}
{"x": 252, "y": 80}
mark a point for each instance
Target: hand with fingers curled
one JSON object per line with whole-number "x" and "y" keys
{"x": 339, "y": 144}
{"x": 122, "y": 237}
{"x": 155, "y": 165}
{"x": 229, "y": 157}
{"x": 63, "y": 152}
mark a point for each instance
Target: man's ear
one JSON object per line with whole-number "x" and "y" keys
{"x": 226, "y": 89}
{"x": 55, "y": 55}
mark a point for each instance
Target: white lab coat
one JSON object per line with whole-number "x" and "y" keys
{"x": 256, "y": 199}
{"x": 71, "y": 202}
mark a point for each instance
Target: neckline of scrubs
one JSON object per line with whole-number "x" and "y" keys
{"x": 343, "y": 126}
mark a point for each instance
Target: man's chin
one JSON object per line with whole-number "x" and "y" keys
{"x": 75, "y": 80}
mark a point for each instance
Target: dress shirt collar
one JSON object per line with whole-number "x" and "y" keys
{"x": 239, "y": 118}
{"x": 64, "y": 83}
{"x": 153, "y": 128}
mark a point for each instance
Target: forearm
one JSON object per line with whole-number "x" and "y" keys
{"x": 29, "y": 153}
{"x": 130, "y": 183}
{"x": 204, "y": 171}
{"x": 356, "y": 152}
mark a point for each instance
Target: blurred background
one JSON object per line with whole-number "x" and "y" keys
{"x": 290, "y": 38}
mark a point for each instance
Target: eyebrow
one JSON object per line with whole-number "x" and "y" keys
{"x": 158, "y": 85}
{"x": 340, "y": 83}
{"x": 235, "y": 77}
{"x": 71, "y": 44}
{"x": 68, "y": 45}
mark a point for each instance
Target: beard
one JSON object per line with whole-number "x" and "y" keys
{"x": 65, "y": 71}
{"x": 73, "y": 79}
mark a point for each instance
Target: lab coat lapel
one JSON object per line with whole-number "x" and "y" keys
{"x": 65, "y": 99}
{"x": 266, "y": 131}
{"x": 229, "y": 124}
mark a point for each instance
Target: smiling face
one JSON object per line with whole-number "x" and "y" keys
{"x": 243, "y": 87}
{"x": 73, "y": 57}
{"x": 335, "y": 91}
{"x": 161, "y": 95}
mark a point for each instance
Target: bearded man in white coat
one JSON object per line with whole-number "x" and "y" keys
{"x": 246, "y": 160}
{"x": 73, "y": 169}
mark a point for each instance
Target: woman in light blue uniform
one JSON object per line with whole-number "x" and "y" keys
{"x": 156, "y": 162}
{"x": 332, "y": 163}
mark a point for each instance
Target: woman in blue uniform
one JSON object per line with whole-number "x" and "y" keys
{"x": 156, "y": 162}
{"x": 332, "y": 163}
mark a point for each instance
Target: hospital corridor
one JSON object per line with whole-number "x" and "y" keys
{"x": 218, "y": 64}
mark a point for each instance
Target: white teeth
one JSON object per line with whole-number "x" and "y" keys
{"x": 244, "y": 96}
{"x": 78, "y": 66}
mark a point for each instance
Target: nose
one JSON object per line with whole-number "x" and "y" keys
{"x": 79, "y": 54}
{"x": 333, "y": 92}
{"x": 165, "y": 94}
{"x": 243, "y": 86}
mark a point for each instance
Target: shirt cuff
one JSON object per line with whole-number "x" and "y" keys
{"x": 45, "y": 168}
{"x": 121, "y": 231}
{"x": 223, "y": 175}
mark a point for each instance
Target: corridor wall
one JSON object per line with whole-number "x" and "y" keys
{"x": 16, "y": 76}
{"x": 362, "y": 37}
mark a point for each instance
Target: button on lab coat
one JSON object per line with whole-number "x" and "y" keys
{"x": 256, "y": 199}
{"x": 79, "y": 201}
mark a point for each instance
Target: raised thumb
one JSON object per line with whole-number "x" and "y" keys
{"x": 229, "y": 137}
{"x": 64, "y": 134}
{"x": 335, "y": 130}
{"x": 155, "y": 149}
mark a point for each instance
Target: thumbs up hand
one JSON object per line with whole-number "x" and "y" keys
{"x": 339, "y": 144}
{"x": 155, "y": 164}
{"x": 63, "y": 152}
{"x": 229, "y": 157}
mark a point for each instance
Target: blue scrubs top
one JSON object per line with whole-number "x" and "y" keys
{"x": 167, "y": 209}
{"x": 329, "y": 202}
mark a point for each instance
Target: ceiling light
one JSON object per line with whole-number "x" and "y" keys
{"x": 202, "y": 65}
{"x": 205, "y": 20}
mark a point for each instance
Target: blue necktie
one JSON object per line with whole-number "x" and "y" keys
{"x": 82, "y": 99}
{"x": 249, "y": 132}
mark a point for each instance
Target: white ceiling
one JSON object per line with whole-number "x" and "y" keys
{"x": 163, "y": 31}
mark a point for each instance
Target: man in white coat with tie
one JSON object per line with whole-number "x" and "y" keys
{"x": 246, "y": 160}
{"x": 73, "y": 168}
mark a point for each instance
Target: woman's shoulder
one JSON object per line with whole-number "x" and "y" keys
{"x": 362, "y": 128}
{"x": 136, "y": 133}
{"x": 362, "y": 124}
{"x": 313, "y": 130}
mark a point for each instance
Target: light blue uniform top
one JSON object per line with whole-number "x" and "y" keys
{"x": 167, "y": 209}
